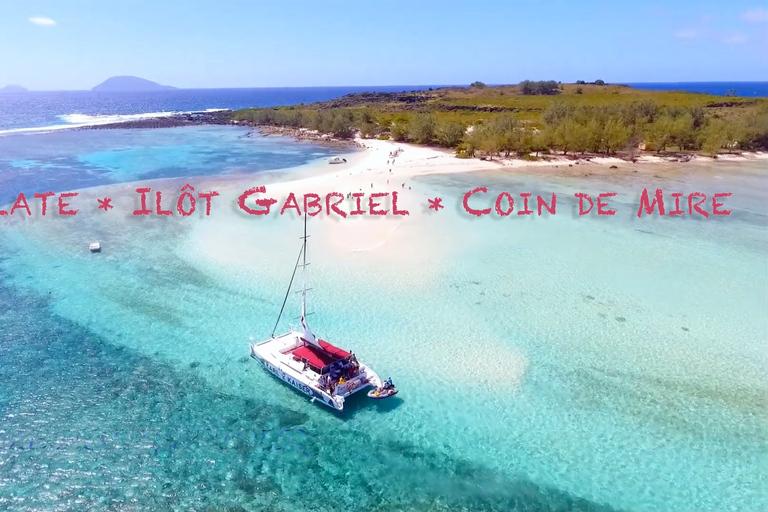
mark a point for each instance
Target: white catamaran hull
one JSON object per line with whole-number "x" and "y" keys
{"x": 274, "y": 355}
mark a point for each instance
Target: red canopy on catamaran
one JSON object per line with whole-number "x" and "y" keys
{"x": 317, "y": 357}
{"x": 336, "y": 351}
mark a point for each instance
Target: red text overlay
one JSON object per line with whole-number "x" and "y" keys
{"x": 477, "y": 202}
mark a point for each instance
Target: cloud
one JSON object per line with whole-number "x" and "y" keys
{"x": 43, "y": 22}
{"x": 758, "y": 15}
{"x": 687, "y": 34}
{"x": 735, "y": 38}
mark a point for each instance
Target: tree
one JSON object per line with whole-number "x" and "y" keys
{"x": 699, "y": 117}
{"x": 478, "y": 85}
{"x": 471, "y": 142}
{"x": 734, "y": 134}
{"x": 755, "y": 130}
{"x": 540, "y": 141}
{"x": 489, "y": 143}
{"x": 368, "y": 130}
{"x": 580, "y": 82}
{"x": 594, "y": 133}
{"x": 559, "y": 137}
{"x": 599, "y": 82}
{"x": 659, "y": 133}
{"x": 449, "y": 133}
{"x": 548, "y": 87}
{"x": 527, "y": 141}
{"x": 342, "y": 125}
{"x": 577, "y": 136}
{"x": 713, "y": 137}
{"x": 683, "y": 134}
{"x": 422, "y": 129}
{"x": 322, "y": 121}
{"x": 366, "y": 117}
{"x": 399, "y": 129}
{"x": 615, "y": 135}
{"x": 557, "y": 113}
{"x": 504, "y": 129}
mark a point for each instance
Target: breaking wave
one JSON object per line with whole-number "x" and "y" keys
{"x": 83, "y": 120}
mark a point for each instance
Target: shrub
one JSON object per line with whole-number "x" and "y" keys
{"x": 368, "y": 130}
{"x": 422, "y": 129}
{"x": 399, "y": 130}
{"x": 548, "y": 87}
{"x": 449, "y": 133}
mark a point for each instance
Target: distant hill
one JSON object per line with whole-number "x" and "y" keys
{"x": 130, "y": 84}
{"x": 13, "y": 88}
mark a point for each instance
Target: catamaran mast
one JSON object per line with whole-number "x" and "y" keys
{"x": 304, "y": 272}
{"x": 302, "y": 254}
{"x": 307, "y": 335}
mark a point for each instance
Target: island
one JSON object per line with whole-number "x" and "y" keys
{"x": 533, "y": 120}
{"x": 13, "y": 88}
{"x": 130, "y": 84}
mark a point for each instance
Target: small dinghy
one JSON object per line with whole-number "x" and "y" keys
{"x": 337, "y": 160}
{"x": 385, "y": 391}
{"x": 95, "y": 247}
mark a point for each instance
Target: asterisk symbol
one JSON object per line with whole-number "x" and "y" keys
{"x": 104, "y": 204}
{"x": 434, "y": 204}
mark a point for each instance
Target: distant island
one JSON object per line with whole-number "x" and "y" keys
{"x": 130, "y": 84}
{"x": 13, "y": 88}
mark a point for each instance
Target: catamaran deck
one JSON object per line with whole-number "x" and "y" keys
{"x": 326, "y": 372}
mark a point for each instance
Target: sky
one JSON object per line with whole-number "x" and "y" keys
{"x": 76, "y": 44}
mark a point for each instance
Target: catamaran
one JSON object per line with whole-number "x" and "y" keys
{"x": 318, "y": 369}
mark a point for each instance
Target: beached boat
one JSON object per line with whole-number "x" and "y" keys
{"x": 318, "y": 369}
{"x": 337, "y": 160}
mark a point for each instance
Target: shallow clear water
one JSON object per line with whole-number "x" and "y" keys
{"x": 70, "y": 159}
{"x": 563, "y": 363}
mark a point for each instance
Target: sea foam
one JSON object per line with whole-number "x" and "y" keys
{"x": 76, "y": 120}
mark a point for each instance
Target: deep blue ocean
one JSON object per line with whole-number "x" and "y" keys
{"x": 42, "y": 109}
{"x": 744, "y": 89}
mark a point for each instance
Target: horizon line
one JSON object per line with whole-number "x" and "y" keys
{"x": 510, "y": 84}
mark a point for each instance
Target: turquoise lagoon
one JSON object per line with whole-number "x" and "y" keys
{"x": 552, "y": 363}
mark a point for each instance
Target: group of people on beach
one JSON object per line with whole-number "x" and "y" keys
{"x": 392, "y": 155}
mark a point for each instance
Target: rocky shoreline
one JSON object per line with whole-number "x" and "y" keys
{"x": 302, "y": 134}
{"x": 189, "y": 119}
{"x": 224, "y": 117}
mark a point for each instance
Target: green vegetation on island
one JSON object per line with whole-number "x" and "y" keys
{"x": 532, "y": 118}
